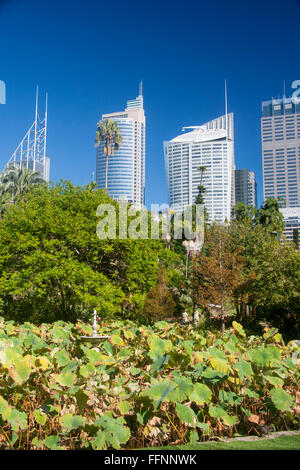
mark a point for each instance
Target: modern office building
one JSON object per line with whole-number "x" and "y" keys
{"x": 280, "y": 131}
{"x": 210, "y": 145}
{"x": 126, "y": 167}
{"x": 291, "y": 217}
{"x": 245, "y": 187}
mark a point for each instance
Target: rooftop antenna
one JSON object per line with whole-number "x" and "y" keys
{"x": 226, "y": 110}
{"x": 284, "y": 91}
{"x": 141, "y": 88}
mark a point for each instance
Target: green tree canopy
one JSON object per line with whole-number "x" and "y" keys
{"x": 53, "y": 265}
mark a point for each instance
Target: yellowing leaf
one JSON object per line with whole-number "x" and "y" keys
{"x": 43, "y": 362}
{"x": 116, "y": 340}
{"x": 20, "y": 371}
{"x": 219, "y": 364}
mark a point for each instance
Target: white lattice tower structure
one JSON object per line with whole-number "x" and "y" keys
{"x": 31, "y": 152}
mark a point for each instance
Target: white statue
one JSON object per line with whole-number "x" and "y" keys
{"x": 185, "y": 317}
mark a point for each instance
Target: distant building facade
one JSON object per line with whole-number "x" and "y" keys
{"x": 291, "y": 217}
{"x": 245, "y": 187}
{"x": 280, "y": 133}
{"x": 126, "y": 167}
{"x": 212, "y": 146}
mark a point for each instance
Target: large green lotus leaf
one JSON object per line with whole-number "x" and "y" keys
{"x": 230, "y": 420}
{"x": 205, "y": 428}
{"x": 213, "y": 376}
{"x": 66, "y": 379}
{"x": 70, "y": 422}
{"x": 184, "y": 387}
{"x": 266, "y": 357}
{"x": 34, "y": 342}
{"x": 251, "y": 393}
{"x": 160, "y": 392}
{"x": 87, "y": 369}
{"x": 99, "y": 441}
{"x": 52, "y": 442}
{"x": 159, "y": 363}
{"x": 229, "y": 397}
{"x": 188, "y": 347}
{"x": 59, "y": 335}
{"x": 124, "y": 406}
{"x": 40, "y": 418}
{"x": 217, "y": 411}
{"x": 274, "y": 380}
{"x": 158, "y": 346}
{"x": 5, "y": 409}
{"x": 3, "y": 404}
{"x": 244, "y": 369}
{"x": 114, "y": 430}
{"x": 186, "y": 415}
{"x": 200, "y": 394}
{"x": 18, "y": 420}
{"x": 62, "y": 358}
{"x": 281, "y": 399}
{"x": 20, "y": 371}
{"x": 216, "y": 353}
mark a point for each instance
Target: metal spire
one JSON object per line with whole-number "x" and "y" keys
{"x": 226, "y": 109}
{"x": 31, "y": 152}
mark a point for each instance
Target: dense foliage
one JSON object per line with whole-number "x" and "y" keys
{"x": 53, "y": 266}
{"x": 145, "y": 386}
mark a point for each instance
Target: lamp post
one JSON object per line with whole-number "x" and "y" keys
{"x": 192, "y": 247}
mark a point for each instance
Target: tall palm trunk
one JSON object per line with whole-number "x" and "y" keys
{"x": 107, "y": 155}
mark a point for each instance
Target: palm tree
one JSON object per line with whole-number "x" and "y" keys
{"x": 109, "y": 133}
{"x": 17, "y": 181}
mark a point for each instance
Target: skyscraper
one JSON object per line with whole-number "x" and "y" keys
{"x": 126, "y": 167}
{"x": 291, "y": 218}
{"x": 212, "y": 146}
{"x": 245, "y": 187}
{"x": 280, "y": 131}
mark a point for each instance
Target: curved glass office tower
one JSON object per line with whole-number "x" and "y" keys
{"x": 210, "y": 145}
{"x": 126, "y": 167}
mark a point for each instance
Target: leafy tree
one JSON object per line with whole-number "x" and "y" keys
{"x": 201, "y": 191}
{"x": 271, "y": 273}
{"x": 159, "y": 302}
{"x": 296, "y": 237}
{"x": 217, "y": 271}
{"x": 16, "y": 182}
{"x": 242, "y": 211}
{"x": 53, "y": 265}
{"x": 270, "y": 217}
{"x": 109, "y": 133}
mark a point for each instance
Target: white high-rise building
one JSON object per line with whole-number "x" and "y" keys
{"x": 280, "y": 132}
{"x": 212, "y": 146}
{"x": 291, "y": 217}
{"x": 126, "y": 167}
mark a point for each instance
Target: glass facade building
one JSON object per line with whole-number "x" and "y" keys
{"x": 126, "y": 167}
{"x": 291, "y": 217}
{"x": 210, "y": 145}
{"x": 280, "y": 133}
{"x": 245, "y": 187}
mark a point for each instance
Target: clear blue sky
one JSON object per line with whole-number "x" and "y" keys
{"x": 90, "y": 56}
